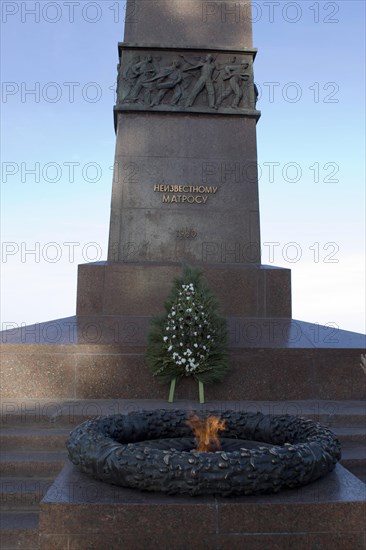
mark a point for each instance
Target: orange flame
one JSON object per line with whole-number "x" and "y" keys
{"x": 206, "y": 432}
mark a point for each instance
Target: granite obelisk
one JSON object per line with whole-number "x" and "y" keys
{"x": 185, "y": 187}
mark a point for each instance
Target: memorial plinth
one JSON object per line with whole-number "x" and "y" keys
{"x": 103, "y": 357}
{"x": 79, "y": 512}
{"x": 137, "y": 289}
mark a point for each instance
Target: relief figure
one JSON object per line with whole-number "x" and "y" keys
{"x": 168, "y": 78}
{"x": 205, "y": 80}
{"x": 140, "y": 73}
{"x": 236, "y": 75}
{"x": 126, "y": 79}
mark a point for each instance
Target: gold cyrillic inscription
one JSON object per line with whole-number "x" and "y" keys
{"x": 172, "y": 193}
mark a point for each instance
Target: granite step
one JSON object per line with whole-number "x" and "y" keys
{"x": 350, "y": 434}
{"x": 19, "y": 530}
{"x": 342, "y": 420}
{"x": 39, "y": 414}
{"x": 353, "y": 452}
{"x": 33, "y": 438}
{"x": 353, "y": 444}
{"x": 26, "y": 476}
{"x": 354, "y": 458}
{"x": 31, "y": 464}
{"x": 359, "y": 470}
{"x": 23, "y": 493}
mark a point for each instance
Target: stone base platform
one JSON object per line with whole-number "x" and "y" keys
{"x": 79, "y": 512}
{"x": 103, "y": 357}
{"x": 250, "y": 290}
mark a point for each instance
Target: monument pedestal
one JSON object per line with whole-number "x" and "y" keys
{"x": 103, "y": 357}
{"x": 248, "y": 290}
{"x": 79, "y": 512}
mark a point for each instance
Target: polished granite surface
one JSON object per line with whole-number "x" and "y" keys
{"x": 132, "y": 331}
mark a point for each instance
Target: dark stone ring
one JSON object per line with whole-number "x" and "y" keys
{"x": 153, "y": 451}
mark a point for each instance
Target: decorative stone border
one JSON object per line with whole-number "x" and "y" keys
{"x": 181, "y": 80}
{"x": 113, "y": 449}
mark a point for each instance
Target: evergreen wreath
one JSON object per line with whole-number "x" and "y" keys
{"x": 190, "y": 339}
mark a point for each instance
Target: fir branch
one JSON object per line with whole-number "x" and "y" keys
{"x": 190, "y": 339}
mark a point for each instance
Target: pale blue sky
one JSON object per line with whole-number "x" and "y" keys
{"x": 324, "y": 129}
